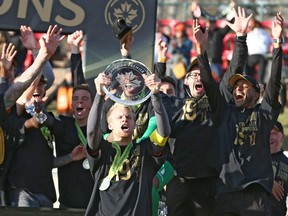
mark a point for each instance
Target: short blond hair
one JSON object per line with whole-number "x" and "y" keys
{"x": 116, "y": 105}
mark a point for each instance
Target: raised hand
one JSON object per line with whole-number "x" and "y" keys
{"x": 74, "y": 40}
{"x": 28, "y": 39}
{"x": 241, "y": 22}
{"x": 100, "y": 80}
{"x": 49, "y": 42}
{"x": 277, "y": 26}
{"x": 200, "y": 37}
{"x": 126, "y": 44}
{"x": 153, "y": 83}
{"x": 162, "y": 49}
{"x": 7, "y": 56}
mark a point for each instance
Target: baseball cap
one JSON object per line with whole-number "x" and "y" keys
{"x": 279, "y": 126}
{"x": 43, "y": 80}
{"x": 250, "y": 79}
{"x": 193, "y": 62}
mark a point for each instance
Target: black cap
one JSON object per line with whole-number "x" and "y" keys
{"x": 250, "y": 79}
{"x": 279, "y": 126}
{"x": 169, "y": 79}
{"x": 193, "y": 63}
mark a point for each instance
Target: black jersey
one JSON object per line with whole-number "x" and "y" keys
{"x": 32, "y": 164}
{"x": 243, "y": 135}
{"x": 193, "y": 131}
{"x": 75, "y": 182}
{"x": 280, "y": 170}
{"x": 130, "y": 190}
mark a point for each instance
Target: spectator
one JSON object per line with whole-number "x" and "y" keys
{"x": 180, "y": 47}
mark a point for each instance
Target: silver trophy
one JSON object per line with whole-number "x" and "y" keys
{"x": 127, "y": 82}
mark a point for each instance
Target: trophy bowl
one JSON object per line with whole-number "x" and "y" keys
{"x": 127, "y": 82}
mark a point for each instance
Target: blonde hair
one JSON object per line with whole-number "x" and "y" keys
{"x": 116, "y": 105}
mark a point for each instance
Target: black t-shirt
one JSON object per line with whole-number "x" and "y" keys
{"x": 31, "y": 168}
{"x": 243, "y": 134}
{"x": 280, "y": 170}
{"x": 130, "y": 190}
{"x": 192, "y": 127}
{"x": 75, "y": 182}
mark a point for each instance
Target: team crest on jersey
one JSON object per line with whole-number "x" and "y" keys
{"x": 132, "y": 11}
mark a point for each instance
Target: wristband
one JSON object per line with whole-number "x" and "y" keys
{"x": 241, "y": 37}
{"x": 278, "y": 40}
{"x": 163, "y": 60}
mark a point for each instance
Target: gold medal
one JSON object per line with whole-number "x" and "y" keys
{"x": 85, "y": 164}
{"x": 105, "y": 184}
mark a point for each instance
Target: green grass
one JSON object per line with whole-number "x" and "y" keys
{"x": 283, "y": 118}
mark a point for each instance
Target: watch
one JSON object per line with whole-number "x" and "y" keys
{"x": 278, "y": 40}
{"x": 243, "y": 37}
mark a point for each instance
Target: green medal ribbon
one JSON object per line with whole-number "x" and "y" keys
{"x": 81, "y": 135}
{"x": 118, "y": 159}
{"x": 47, "y": 135}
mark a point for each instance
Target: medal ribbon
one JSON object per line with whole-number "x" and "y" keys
{"x": 81, "y": 135}
{"x": 118, "y": 159}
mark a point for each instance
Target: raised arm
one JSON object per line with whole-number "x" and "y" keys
{"x": 48, "y": 46}
{"x": 207, "y": 79}
{"x": 126, "y": 46}
{"x": 74, "y": 40}
{"x": 273, "y": 87}
{"x": 160, "y": 67}
{"x": 161, "y": 134}
{"x": 94, "y": 134}
{"x": 240, "y": 51}
{"x": 30, "y": 42}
